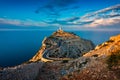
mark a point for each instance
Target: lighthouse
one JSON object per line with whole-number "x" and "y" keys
{"x": 60, "y": 30}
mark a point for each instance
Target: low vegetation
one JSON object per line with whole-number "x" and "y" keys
{"x": 110, "y": 41}
{"x": 113, "y": 60}
{"x": 65, "y": 61}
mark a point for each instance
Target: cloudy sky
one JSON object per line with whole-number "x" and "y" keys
{"x": 50, "y": 14}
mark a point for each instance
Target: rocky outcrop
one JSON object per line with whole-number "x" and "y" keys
{"x": 62, "y": 46}
{"x": 106, "y": 48}
{"x": 102, "y": 63}
{"x": 21, "y": 72}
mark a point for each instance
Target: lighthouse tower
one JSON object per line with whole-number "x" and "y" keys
{"x": 60, "y": 30}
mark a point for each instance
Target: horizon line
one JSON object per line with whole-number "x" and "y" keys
{"x": 63, "y": 29}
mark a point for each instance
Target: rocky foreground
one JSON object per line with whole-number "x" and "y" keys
{"x": 102, "y": 63}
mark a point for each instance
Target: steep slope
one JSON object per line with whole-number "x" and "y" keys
{"x": 62, "y": 46}
{"x": 106, "y": 48}
{"x": 103, "y": 63}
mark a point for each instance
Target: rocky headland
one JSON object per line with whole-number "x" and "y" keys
{"x": 79, "y": 63}
{"x": 62, "y": 45}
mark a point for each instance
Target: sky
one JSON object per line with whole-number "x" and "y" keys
{"x": 51, "y": 14}
{"x": 25, "y": 23}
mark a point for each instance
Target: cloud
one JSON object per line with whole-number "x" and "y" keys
{"x": 55, "y": 8}
{"x": 105, "y": 22}
{"x": 67, "y": 21}
{"x": 18, "y": 22}
{"x": 9, "y": 21}
{"x": 108, "y": 17}
{"x": 112, "y": 8}
{"x": 63, "y": 3}
{"x": 105, "y": 18}
{"x": 71, "y": 19}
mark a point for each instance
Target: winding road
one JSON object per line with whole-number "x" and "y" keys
{"x": 45, "y": 56}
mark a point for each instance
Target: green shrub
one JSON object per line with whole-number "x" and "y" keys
{"x": 110, "y": 41}
{"x": 65, "y": 61}
{"x": 95, "y": 55}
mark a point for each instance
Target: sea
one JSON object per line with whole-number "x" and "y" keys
{"x": 17, "y": 47}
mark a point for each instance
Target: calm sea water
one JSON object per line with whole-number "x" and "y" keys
{"x": 17, "y": 47}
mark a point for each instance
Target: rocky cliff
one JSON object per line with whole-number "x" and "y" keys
{"x": 106, "y": 48}
{"x": 62, "y": 45}
{"x": 102, "y": 63}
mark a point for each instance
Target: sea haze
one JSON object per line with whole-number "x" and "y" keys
{"x": 19, "y": 46}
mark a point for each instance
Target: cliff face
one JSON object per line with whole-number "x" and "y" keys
{"x": 62, "y": 45}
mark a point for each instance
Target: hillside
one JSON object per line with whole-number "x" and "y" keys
{"x": 62, "y": 45}
{"x": 102, "y": 63}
